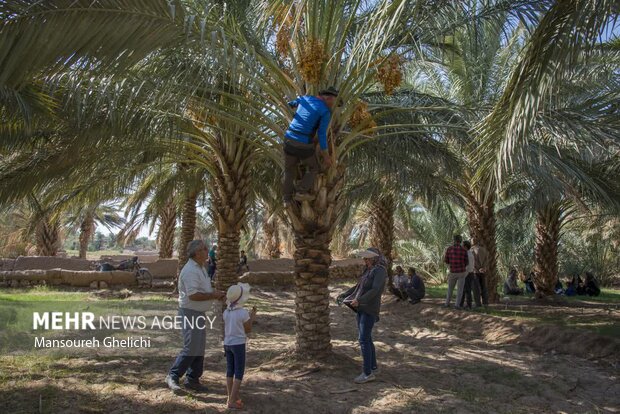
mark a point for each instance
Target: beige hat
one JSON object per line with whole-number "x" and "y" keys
{"x": 238, "y": 294}
{"x": 368, "y": 253}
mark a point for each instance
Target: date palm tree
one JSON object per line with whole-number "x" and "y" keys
{"x": 86, "y": 217}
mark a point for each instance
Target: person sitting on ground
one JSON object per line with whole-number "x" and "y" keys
{"x": 312, "y": 116}
{"x": 510, "y": 285}
{"x": 243, "y": 262}
{"x": 559, "y": 288}
{"x": 592, "y": 287}
{"x": 571, "y": 289}
{"x": 529, "y": 283}
{"x": 237, "y": 324}
{"x": 399, "y": 284}
{"x": 579, "y": 285}
{"x": 415, "y": 290}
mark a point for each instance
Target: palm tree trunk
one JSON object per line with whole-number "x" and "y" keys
{"x": 271, "y": 232}
{"x": 382, "y": 227}
{"x": 231, "y": 188}
{"x": 481, "y": 220}
{"x": 313, "y": 223}
{"x": 188, "y": 227}
{"x": 167, "y": 226}
{"x": 86, "y": 233}
{"x": 47, "y": 237}
{"x": 548, "y": 224}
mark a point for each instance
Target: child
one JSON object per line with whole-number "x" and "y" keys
{"x": 237, "y": 323}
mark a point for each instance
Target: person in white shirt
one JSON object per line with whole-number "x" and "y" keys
{"x": 196, "y": 296}
{"x": 399, "y": 284}
{"x": 237, "y": 324}
{"x": 469, "y": 279}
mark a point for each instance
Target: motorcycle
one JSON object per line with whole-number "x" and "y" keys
{"x": 142, "y": 274}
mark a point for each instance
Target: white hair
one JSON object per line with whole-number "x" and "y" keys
{"x": 194, "y": 246}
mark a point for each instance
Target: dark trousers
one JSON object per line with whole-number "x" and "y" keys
{"x": 211, "y": 270}
{"x": 479, "y": 286}
{"x": 365, "y": 323}
{"x": 466, "y": 297}
{"x": 235, "y": 361}
{"x": 191, "y": 359}
{"x": 399, "y": 293}
{"x": 296, "y": 153}
{"x": 416, "y": 295}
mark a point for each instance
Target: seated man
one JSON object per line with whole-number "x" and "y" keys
{"x": 591, "y": 287}
{"x": 529, "y": 283}
{"x": 415, "y": 290}
{"x": 510, "y": 285}
{"x": 312, "y": 117}
{"x": 559, "y": 288}
{"x": 571, "y": 289}
{"x": 399, "y": 284}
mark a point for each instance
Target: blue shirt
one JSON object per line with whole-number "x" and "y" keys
{"x": 312, "y": 115}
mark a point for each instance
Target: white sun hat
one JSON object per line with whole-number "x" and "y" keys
{"x": 368, "y": 253}
{"x": 238, "y": 294}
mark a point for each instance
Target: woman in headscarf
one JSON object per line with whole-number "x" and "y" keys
{"x": 365, "y": 298}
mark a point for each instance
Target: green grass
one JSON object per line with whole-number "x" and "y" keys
{"x": 607, "y": 295}
{"x": 437, "y": 291}
{"x": 94, "y": 255}
{"x": 41, "y": 293}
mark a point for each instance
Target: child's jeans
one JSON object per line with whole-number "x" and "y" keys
{"x": 235, "y": 361}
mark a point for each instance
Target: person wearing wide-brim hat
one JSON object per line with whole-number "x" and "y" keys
{"x": 365, "y": 299}
{"x": 237, "y": 324}
{"x": 312, "y": 117}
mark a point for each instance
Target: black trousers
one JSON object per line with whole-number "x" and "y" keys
{"x": 466, "y": 297}
{"x": 479, "y": 286}
{"x": 399, "y": 293}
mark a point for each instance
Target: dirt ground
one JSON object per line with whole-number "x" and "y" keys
{"x": 431, "y": 359}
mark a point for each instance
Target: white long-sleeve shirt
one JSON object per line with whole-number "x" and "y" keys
{"x": 470, "y": 266}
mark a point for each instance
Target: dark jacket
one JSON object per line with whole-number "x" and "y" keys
{"x": 416, "y": 283}
{"x": 370, "y": 297}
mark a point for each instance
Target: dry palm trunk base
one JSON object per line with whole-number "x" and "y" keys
{"x": 188, "y": 228}
{"x": 227, "y": 260}
{"x": 312, "y": 222}
{"x": 548, "y": 223}
{"x": 382, "y": 228}
{"x": 47, "y": 237}
{"x": 168, "y": 220}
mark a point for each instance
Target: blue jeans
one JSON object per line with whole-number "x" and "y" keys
{"x": 235, "y": 361}
{"x": 365, "y": 322}
{"x": 190, "y": 360}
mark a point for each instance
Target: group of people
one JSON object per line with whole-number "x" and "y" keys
{"x": 408, "y": 286}
{"x": 196, "y": 297}
{"x": 574, "y": 286}
{"x": 212, "y": 262}
{"x": 467, "y": 265}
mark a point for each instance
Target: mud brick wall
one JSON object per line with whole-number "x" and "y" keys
{"x": 50, "y": 262}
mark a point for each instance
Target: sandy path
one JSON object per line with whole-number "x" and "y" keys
{"x": 430, "y": 361}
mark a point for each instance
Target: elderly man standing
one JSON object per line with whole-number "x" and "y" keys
{"x": 456, "y": 257}
{"x": 195, "y": 298}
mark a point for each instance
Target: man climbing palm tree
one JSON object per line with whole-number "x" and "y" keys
{"x": 313, "y": 115}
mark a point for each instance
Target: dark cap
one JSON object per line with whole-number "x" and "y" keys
{"x": 329, "y": 91}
